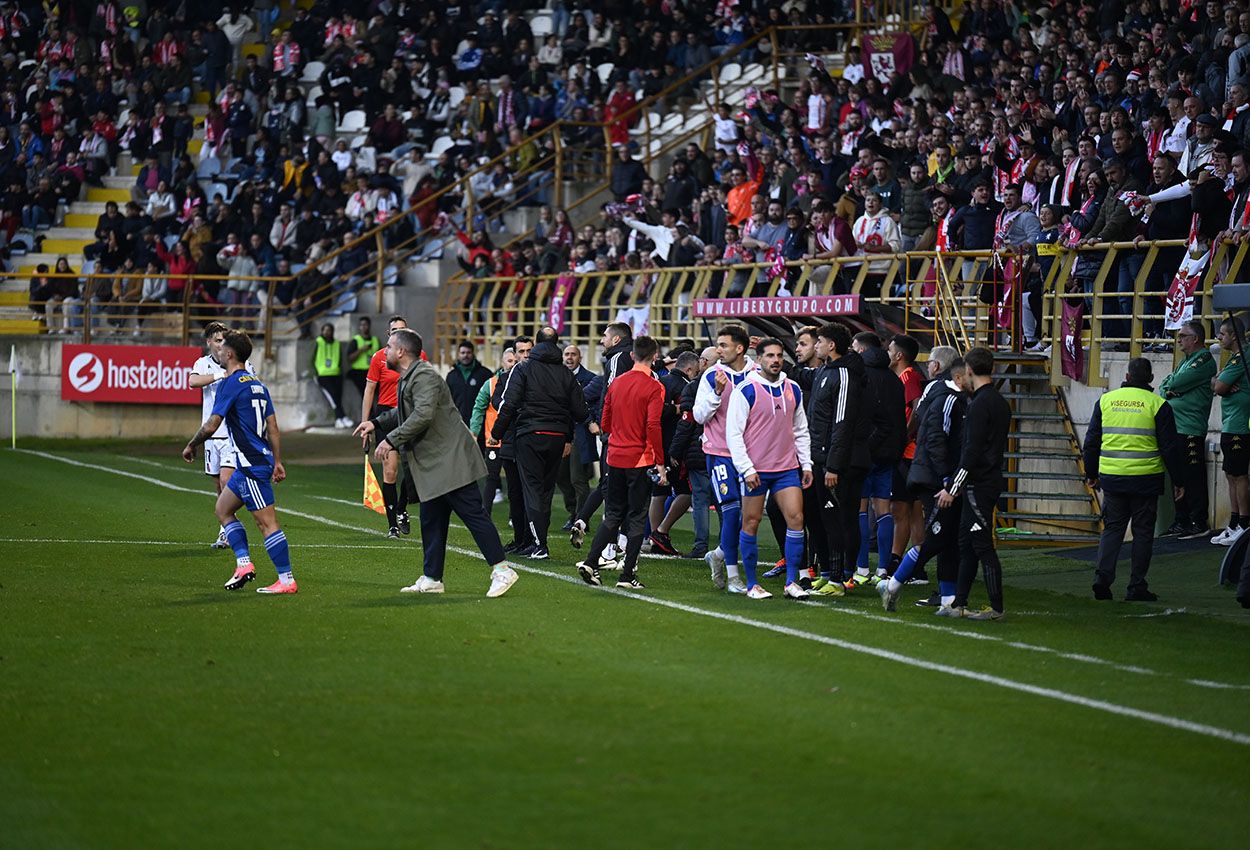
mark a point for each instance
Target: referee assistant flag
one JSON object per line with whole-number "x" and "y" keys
{"x": 373, "y": 493}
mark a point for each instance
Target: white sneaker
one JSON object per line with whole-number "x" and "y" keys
{"x": 737, "y": 585}
{"x": 794, "y": 590}
{"x": 221, "y": 542}
{"x": 1221, "y": 539}
{"x": 498, "y": 498}
{"x": 716, "y": 563}
{"x": 606, "y": 563}
{"x": 425, "y": 584}
{"x": 889, "y": 601}
{"x": 949, "y": 611}
{"x": 1233, "y": 535}
{"x": 500, "y": 581}
{"x": 757, "y": 592}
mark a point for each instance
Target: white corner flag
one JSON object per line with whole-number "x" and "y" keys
{"x": 15, "y": 377}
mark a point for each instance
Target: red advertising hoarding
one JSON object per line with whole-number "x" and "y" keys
{"x": 131, "y": 374}
{"x": 815, "y": 305}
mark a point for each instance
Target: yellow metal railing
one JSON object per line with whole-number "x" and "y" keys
{"x": 952, "y": 298}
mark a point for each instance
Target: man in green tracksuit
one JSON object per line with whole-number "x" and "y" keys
{"x": 1188, "y": 393}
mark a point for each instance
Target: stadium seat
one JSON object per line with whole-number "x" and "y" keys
{"x": 604, "y": 70}
{"x": 455, "y": 95}
{"x": 313, "y": 94}
{"x": 541, "y": 26}
{"x": 729, "y": 72}
{"x": 312, "y": 72}
{"x": 670, "y": 123}
{"x": 352, "y": 122}
{"x": 441, "y": 144}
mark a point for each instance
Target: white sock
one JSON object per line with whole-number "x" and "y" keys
{"x": 732, "y": 571}
{"x": 895, "y": 585}
{"x": 609, "y": 551}
{"x": 286, "y": 578}
{"x": 863, "y": 572}
{"x": 501, "y": 567}
{"x": 243, "y": 562}
{"x": 948, "y": 601}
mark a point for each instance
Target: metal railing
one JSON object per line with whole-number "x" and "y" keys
{"x": 955, "y": 298}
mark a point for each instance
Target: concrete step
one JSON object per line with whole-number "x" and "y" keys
{"x": 121, "y": 181}
{"x": 20, "y": 327}
{"x": 65, "y": 246}
{"x": 91, "y": 208}
{"x": 72, "y": 232}
{"x": 97, "y": 195}
{"x": 83, "y": 220}
{"x": 28, "y": 263}
{"x": 14, "y": 298}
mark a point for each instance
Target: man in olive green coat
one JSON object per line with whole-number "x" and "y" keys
{"x": 1188, "y": 392}
{"x": 443, "y": 460}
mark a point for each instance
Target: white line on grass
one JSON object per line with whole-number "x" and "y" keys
{"x": 193, "y": 543}
{"x": 889, "y": 655}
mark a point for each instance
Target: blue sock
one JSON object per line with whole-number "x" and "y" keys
{"x": 275, "y": 545}
{"x": 730, "y": 528}
{"x": 237, "y": 537}
{"x": 794, "y": 554}
{"x": 885, "y": 541}
{"x": 947, "y": 588}
{"x": 862, "y": 561}
{"x": 908, "y": 565}
{"x": 749, "y": 547}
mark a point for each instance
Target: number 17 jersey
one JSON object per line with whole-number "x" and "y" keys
{"x": 244, "y": 405}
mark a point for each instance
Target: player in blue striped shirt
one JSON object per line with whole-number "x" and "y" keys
{"x": 243, "y": 403}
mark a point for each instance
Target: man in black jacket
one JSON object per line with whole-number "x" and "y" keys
{"x": 939, "y": 441}
{"x": 885, "y": 400}
{"x": 684, "y": 371}
{"x": 545, "y": 401}
{"x": 687, "y": 450}
{"x": 618, "y": 346}
{"x": 846, "y": 455}
{"x": 465, "y": 379}
{"x": 979, "y": 480}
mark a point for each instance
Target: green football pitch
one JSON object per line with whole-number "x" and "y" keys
{"x": 141, "y": 705}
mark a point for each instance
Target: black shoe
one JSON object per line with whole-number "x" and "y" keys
{"x": 1193, "y": 532}
{"x": 393, "y": 534}
{"x": 660, "y": 542}
{"x": 630, "y": 584}
{"x": 535, "y": 553}
{"x": 1102, "y": 592}
{"x": 805, "y": 581}
{"x": 918, "y": 578}
{"x": 1176, "y": 529}
{"x": 404, "y": 527}
{"x": 513, "y": 547}
{"x": 1142, "y": 595}
{"x": 589, "y": 575}
{"x": 697, "y": 553}
{"x": 934, "y": 601}
{"x": 568, "y": 525}
{"x": 1244, "y": 601}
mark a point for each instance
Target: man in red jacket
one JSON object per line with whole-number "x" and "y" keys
{"x": 631, "y": 418}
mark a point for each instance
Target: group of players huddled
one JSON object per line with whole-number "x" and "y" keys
{"x": 848, "y": 442}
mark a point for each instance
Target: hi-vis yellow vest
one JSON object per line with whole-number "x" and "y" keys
{"x": 329, "y": 356}
{"x": 1129, "y": 445}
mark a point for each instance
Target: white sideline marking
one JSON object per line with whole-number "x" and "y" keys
{"x": 886, "y": 654}
{"x": 193, "y": 543}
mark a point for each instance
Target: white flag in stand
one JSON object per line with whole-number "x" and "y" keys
{"x": 15, "y": 368}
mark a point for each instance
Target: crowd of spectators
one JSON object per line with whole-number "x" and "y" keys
{"x": 1023, "y": 124}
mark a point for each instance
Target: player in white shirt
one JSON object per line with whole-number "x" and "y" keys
{"x": 219, "y": 462}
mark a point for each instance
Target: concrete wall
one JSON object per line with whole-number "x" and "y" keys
{"x": 42, "y": 413}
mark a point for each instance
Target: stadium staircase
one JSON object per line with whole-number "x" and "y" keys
{"x": 1047, "y": 500}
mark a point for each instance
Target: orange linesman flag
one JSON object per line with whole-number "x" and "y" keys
{"x": 373, "y": 493}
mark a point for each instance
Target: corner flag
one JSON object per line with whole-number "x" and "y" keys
{"x": 15, "y": 378}
{"x": 373, "y": 493}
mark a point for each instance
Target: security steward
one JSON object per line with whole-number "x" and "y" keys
{"x": 328, "y": 361}
{"x": 1188, "y": 393}
{"x": 1131, "y": 440}
{"x": 360, "y": 348}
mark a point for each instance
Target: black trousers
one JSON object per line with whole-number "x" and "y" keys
{"x": 332, "y": 388}
{"x": 574, "y": 482}
{"x": 976, "y": 546}
{"x": 516, "y": 503}
{"x": 628, "y": 495}
{"x": 814, "y": 499}
{"x": 1118, "y": 510}
{"x": 491, "y": 483}
{"x": 538, "y": 456}
{"x": 842, "y": 521}
{"x": 596, "y": 497}
{"x": 1192, "y": 507}
{"x": 466, "y": 503}
{"x": 358, "y": 378}
{"x": 941, "y": 538}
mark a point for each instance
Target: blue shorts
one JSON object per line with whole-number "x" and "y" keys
{"x": 724, "y": 479}
{"x": 773, "y": 482}
{"x": 880, "y": 482}
{"x": 256, "y": 493}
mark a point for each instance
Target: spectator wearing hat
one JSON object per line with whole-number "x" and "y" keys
{"x": 1201, "y": 146}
